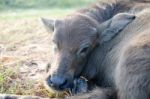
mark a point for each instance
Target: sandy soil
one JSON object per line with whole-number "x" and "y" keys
{"x": 25, "y": 45}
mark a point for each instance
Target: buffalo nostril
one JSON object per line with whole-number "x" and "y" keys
{"x": 57, "y": 81}
{"x": 133, "y": 17}
{"x": 63, "y": 85}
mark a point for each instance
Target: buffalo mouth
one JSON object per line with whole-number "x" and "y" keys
{"x": 79, "y": 85}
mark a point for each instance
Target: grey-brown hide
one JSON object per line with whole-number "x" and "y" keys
{"x": 72, "y": 36}
{"x": 121, "y": 60}
{"x": 75, "y": 37}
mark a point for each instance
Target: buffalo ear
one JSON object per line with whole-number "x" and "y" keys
{"x": 49, "y": 24}
{"x": 109, "y": 29}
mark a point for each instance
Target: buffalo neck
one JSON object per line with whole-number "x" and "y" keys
{"x": 103, "y": 11}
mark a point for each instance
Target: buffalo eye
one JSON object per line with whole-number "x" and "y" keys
{"x": 83, "y": 51}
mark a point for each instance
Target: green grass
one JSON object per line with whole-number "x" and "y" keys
{"x": 10, "y": 82}
{"x": 27, "y": 4}
{"x": 34, "y": 14}
{"x": 14, "y": 9}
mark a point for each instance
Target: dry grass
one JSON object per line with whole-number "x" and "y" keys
{"x": 24, "y": 53}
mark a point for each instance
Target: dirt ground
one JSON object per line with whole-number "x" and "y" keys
{"x": 25, "y": 47}
{"x": 29, "y": 48}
